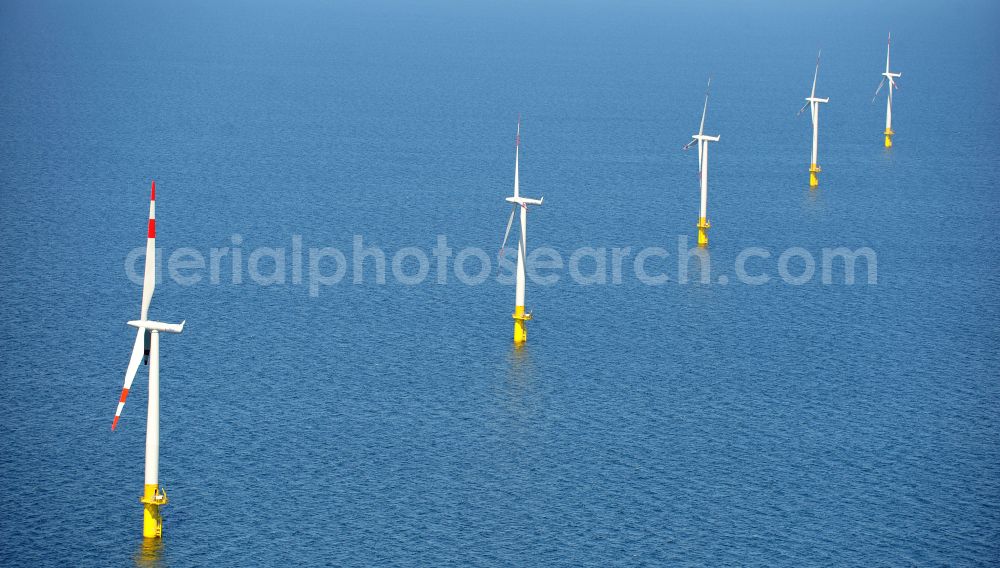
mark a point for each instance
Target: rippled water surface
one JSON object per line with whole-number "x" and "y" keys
{"x": 395, "y": 425}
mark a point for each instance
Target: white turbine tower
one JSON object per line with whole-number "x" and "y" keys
{"x": 813, "y": 103}
{"x": 147, "y": 343}
{"x": 702, "y": 139}
{"x": 891, "y": 77}
{"x": 520, "y": 317}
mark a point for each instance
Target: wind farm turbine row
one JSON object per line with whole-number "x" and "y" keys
{"x": 146, "y": 346}
{"x": 812, "y": 103}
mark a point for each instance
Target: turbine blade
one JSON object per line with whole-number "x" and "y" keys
{"x": 517, "y": 158}
{"x": 816, "y": 75}
{"x": 133, "y": 366}
{"x": 149, "y": 273}
{"x": 520, "y": 238}
{"x": 888, "y": 43}
{"x": 704, "y": 110}
{"x": 688, "y": 145}
{"x": 878, "y": 89}
{"x": 801, "y": 110}
{"x": 507, "y": 232}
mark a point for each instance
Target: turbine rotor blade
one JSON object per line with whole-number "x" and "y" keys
{"x": 801, "y": 110}
{"x": 704, "y": 110}
{"x": 888, "y": 44}
{"x": 522, "y": 245}
{"x": 133, "y": 366}
{"x": 816, "y": 75}
{"x": 878, "y": 89}
{"x": 149, "y": 273}
{"x": 507, "y": 232}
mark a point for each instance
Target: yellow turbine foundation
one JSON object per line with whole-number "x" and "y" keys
{"x": 703, "y": 226}
{"x": 888, "y": 137}
{"x": 152, "y": 524}
{"x": 520, "y": 324}
{"x": 813, "y": 179}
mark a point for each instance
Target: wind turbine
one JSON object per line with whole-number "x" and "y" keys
{"x": 702, "y": 139}
{"x": 813, "y": 102}
{"x": 147, "y": 344}
{"x": 522, "y": 203}
{"x": 888, "y": 102}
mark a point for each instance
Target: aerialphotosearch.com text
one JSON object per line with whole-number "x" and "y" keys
{"x": 365, "y": 263}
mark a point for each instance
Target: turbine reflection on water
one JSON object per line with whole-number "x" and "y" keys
{"x": 150, "y": 553}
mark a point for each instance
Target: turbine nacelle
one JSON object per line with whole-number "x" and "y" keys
{"x": 524, "y": 200}
{"x": 892, "y": 80}
{"x": 705, "y": 137}
{"x": 817, "y": 100}
{"x": 158, "y": 326}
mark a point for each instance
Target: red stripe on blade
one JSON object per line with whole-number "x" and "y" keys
{"x": 152, "y": 193}
{"x": 152, "y": 229}
{"x": 114, "y": 423}
{"x": 124, "y": 395}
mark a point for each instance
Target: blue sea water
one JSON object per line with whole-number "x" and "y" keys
{"x": 395, "y": 425}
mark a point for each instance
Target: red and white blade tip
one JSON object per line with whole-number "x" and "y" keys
{"x": 118, "y": 411}
{"x": 151, "y": 232}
